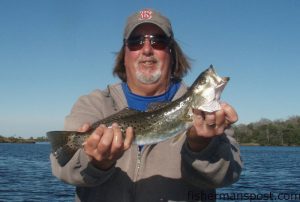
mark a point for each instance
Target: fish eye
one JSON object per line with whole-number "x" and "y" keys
{"x": 203, "y": 81}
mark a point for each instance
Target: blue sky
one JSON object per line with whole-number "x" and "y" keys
{"x": 53, "y": 51}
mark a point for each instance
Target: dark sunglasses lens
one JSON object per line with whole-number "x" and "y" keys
{"x": 159, "y": 42}
{"x": 135, "y": 43}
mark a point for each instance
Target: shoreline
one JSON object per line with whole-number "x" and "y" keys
{"x": 21, "y": 140}
{"x": 18, "y": 142}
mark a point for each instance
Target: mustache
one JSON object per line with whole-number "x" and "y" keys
{"x": 147, "y": 59}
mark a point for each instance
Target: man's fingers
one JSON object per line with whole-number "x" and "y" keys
{"x": 106, "y": 141}
{"x": 106, "y": 144}
{"x": 92, "y": 142}
{"x": 210, "y": 118}
{"x": 230, "y": 113}
{"x": 220, "y": 118}
{"x": 84, "y": 128}
{"x": 118, "y": 139}
{"x": 117, "y": 142}
{"x": 129, "y": 136}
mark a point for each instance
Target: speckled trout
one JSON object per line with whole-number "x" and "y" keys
{"x": 160, "y": 122}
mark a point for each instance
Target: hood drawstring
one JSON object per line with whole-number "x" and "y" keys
{"x": 114, "y": 105}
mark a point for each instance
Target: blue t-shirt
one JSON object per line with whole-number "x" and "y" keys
{"x": 141, "y": 103}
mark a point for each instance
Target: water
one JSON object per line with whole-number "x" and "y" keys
{"x": 270, "y": 174}
{"x": 25, "y": 175}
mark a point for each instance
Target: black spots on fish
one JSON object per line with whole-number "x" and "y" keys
{"x": 70, "y": 142}
{"x": 138, "y": 124}
{"x": 118, "y": 116}
{"x": 64, "y": 154}
{"x": 143, "y": 126}
{"x": 135, "y": 125}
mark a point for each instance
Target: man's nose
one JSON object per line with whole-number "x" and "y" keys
{"x": 147, "y": 48}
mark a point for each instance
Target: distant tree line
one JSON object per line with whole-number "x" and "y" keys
{"x": 13, "y": 139}
{"x": 267, "y": 132}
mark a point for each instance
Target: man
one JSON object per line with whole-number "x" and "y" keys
{"x": 186, "y": 168}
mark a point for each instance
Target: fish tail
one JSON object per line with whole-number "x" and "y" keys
{"x": 61, "y": 149}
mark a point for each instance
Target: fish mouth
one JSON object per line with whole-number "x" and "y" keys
{"x": 222, "y": 82}
{"x": 220, "y": 87}
{"x": 225, "y": 79}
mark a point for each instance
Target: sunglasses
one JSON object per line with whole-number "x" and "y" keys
{"x": 158, "y": 42}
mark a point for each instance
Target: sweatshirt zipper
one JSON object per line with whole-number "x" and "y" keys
{"x": 137, "y": 170}
{"x": 138, "y": 163}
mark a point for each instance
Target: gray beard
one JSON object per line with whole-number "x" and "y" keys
{"x": 148, "y": 79}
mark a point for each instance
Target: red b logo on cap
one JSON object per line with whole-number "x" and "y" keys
{"x": 145, "y": 15}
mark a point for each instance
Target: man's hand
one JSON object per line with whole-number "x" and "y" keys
{"x": 208, "y": 125}
{"x": 106, "y": 145}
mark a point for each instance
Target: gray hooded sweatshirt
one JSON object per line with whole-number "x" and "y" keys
{"x": 167, "y": 171}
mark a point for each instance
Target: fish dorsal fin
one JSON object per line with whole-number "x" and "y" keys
{"x": 125, "y": 112}
{"x": 156, "y": 105}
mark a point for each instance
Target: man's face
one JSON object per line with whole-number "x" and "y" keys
{"x": 147, "y": 65}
